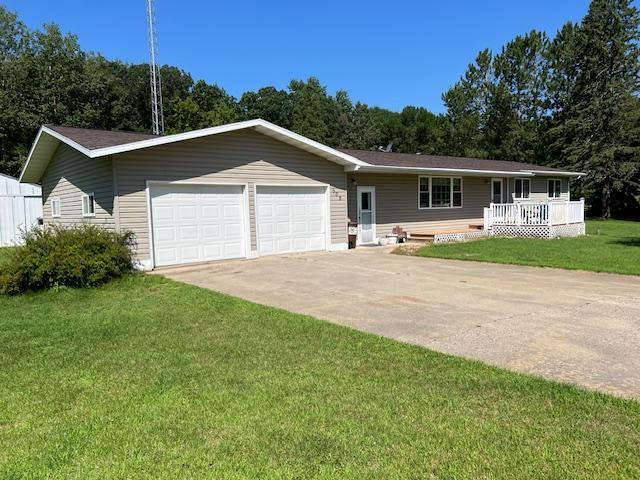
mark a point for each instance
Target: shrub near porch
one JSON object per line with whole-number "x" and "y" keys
{"x": 609, "y": 246}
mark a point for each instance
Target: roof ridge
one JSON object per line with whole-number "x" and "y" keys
{"x": 52, "y": 126}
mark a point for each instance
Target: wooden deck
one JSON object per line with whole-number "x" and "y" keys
{"x": 427, "y": 236}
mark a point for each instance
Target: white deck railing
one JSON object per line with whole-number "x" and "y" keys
{"x": 534, "y": 214}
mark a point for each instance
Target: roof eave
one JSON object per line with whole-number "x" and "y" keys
{"x": 557, "y": 173}
{"x": 458, "y": 171}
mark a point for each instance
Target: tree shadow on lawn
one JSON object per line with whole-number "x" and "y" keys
{"x": 627, "y": 241}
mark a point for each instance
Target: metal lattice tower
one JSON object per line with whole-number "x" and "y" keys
{"x": 157, "y": 115}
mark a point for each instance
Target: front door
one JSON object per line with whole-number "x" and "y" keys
{"x": 496, "y": 190}
{"x": 366, "y": 215}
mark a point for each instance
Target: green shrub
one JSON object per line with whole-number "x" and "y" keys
{"x": 74, "y": 257}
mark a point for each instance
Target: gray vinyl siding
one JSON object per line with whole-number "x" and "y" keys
{"x": 69, "y": 175}
{"x": 242, "y": 157}
{"x": 397, "y": 203}
{"x": 539, "y": 189}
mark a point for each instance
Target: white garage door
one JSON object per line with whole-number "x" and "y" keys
{"x": 291, "y": 219}
{"x": 197, "y": 223}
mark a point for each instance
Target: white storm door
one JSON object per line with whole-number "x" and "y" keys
{"x": 197, "y": 223}
{"x": 366, "y": 215}
{"x": 291, "y": 219}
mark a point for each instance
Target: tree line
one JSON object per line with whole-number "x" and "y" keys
{"x": 569, "y": 101}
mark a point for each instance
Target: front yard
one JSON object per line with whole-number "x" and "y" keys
{"x": 609, "y": 246}
{"x": 146, "y": 377}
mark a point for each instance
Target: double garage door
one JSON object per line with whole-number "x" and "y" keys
{"x": 198, "y": 223}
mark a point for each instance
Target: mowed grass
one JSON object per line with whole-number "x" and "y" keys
{"x": 609, "y": 246}
{"x": 149, "y": 378}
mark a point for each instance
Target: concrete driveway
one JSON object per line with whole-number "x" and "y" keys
{"x": 576, "y": 327}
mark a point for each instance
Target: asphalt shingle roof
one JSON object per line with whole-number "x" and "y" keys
{"x": 392, "y": 159}
{"x": 94, "y": 139}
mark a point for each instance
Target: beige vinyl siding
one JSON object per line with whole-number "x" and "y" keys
{"x": 69, "y": 175}
{"x": 242, "y": 157}
{"x": 397, "y": 203}
{"x": 539, "y": 189}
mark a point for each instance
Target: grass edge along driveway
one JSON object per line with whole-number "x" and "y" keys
{"x": 610, "y": 246}
{"x": 146, "y": 377}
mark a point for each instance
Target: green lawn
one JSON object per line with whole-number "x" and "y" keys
{"x": 146, "y": 377}
{"x": 609, "y": 246}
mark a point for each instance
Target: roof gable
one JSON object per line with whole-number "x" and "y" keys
{"x": 100, "y": 143}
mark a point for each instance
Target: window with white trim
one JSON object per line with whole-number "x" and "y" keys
{"x": 439, "y": 192}
{"x": 423, "y": 192}
{"x": 88, "y": 205}
{"x": 554, "y": 187}
{"x": 55, "y": 207}
{"x": 522, "y": 188}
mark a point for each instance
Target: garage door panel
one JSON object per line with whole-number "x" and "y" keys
{"x": 212, "y": 232}
{"x": 189, "y": 233}
{"x": 231, "y": 211}
{"x": 210, "y": 212}
{"x": 233, "y": 230}
{"x": 212, "y": 251}
{"x": 166, "y": 256}
{"x": 291, "y": 219}
{"x": 187, "y": 212}
{"x": 233, "y": 250}
{"x": 194, "y": 223}
{"x": 164, "y": 213}
{"x": 316, "y": 226}
{"x": 165, "y": 234}
{"x": 265, "y": 211}
{"x": 282, "y": 211}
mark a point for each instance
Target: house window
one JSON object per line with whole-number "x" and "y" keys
{"x": 554, "y": 188}
{"x": 88, "y": 205}
{"x": 456, "y": 191}
{"x": 424, "y": 192}
{"x": 522, "y": 188}
{"x": 55, "y": 207}
{"x": 439, "y": 192}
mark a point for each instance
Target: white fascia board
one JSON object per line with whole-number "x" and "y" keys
{"x": 459, "y": 171}
{"x": 556, "y": 174}
{"x": 31, "y": 150}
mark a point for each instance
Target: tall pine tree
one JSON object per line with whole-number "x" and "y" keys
{"x": 597, "y": 127}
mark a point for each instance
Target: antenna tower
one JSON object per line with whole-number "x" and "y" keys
{"x": 157, "y": 115}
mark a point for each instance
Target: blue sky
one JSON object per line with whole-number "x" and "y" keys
{"x": 388, "y": 54}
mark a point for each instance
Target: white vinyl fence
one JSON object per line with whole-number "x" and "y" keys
{"x": 20, "y": 209}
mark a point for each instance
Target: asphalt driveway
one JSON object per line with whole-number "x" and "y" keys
{"x": 577, "y": 327}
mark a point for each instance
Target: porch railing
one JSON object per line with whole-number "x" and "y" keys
{"x": 534, "y": 214}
